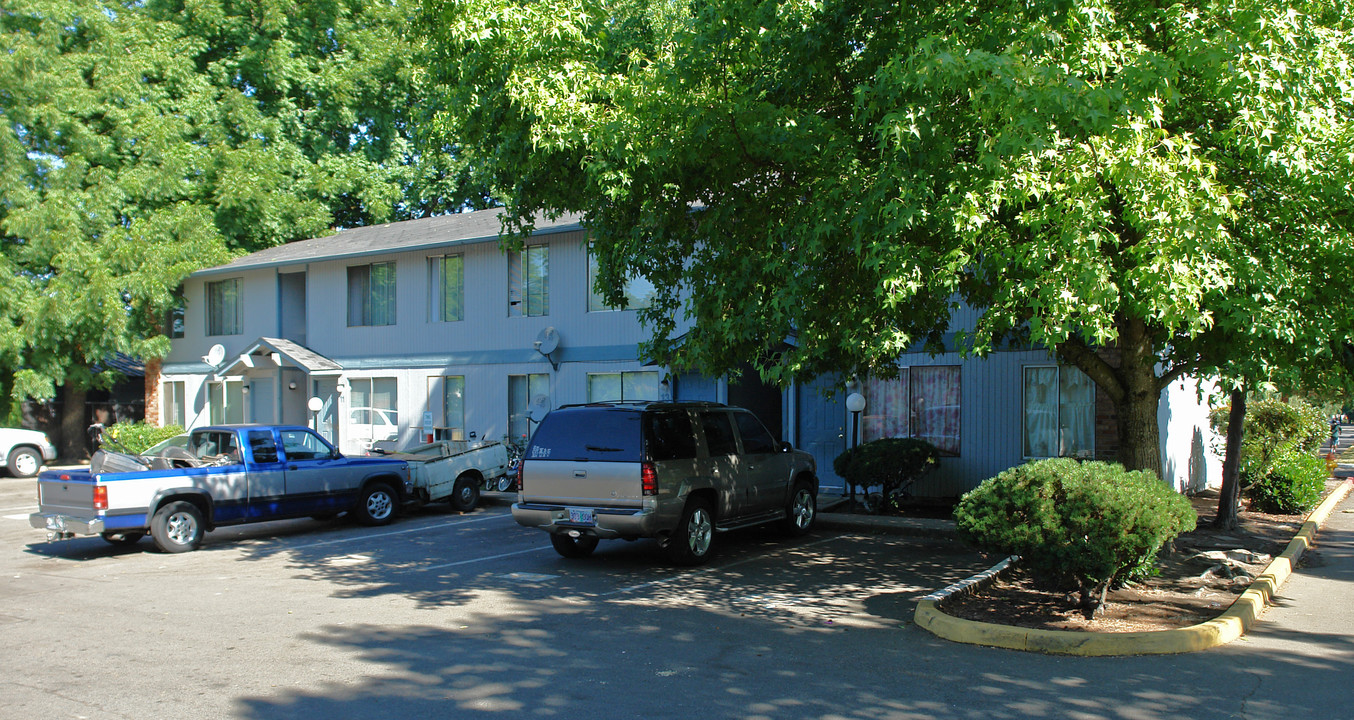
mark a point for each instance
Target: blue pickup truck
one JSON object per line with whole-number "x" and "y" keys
{"x": 226, "y": 475}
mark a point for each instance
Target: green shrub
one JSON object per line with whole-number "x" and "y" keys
{"x": 893, "y": 463}
{"x": 1082, "y": 526}
{"x": 1274, "y": 428}
{"x": 137, "y": 437}
{"x": 1294, "y": 484}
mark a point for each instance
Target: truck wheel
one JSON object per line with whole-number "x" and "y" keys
{"x": 24, "y": 462}
{"x": 690, "y": 544}
{"x": 126, "y": 538}
{"x": 376, "y": 505}
{"x": 801, "y": 511}
{"x": 571, "y": 547}
{"x": 177, "y": 527}
{"x": 465, "y": 494}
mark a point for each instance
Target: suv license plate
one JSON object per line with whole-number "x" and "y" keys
{"x": 581, "y": 517}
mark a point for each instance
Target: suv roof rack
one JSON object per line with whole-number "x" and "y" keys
{"x": 642, "y": 404}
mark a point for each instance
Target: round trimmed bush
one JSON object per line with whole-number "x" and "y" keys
{"x": 892, "y": 463}
{"x": 1082, "y": 526}
{"x": 1293, "y": 484}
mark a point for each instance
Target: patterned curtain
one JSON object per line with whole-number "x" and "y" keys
{"x": 885, "y": 414}
{"x": 935, "y": 406}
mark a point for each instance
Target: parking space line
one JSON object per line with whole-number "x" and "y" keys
{"x": 483, "y": 559}
{"x": 30, "y": 507}
{"x": 708, "y": 570}
{"x": 403, "y": 531}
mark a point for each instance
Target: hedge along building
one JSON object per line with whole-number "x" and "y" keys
{"x": 427, "y": 327}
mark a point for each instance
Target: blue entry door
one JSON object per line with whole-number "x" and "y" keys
{"x": 822, "y": 427}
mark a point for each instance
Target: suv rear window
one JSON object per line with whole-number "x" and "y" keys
{"x": 588, "y": 433}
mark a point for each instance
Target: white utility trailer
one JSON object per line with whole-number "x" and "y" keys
{"x": 454, "y": 470}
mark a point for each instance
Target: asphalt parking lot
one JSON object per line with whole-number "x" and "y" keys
{"x": 451, "y": 615}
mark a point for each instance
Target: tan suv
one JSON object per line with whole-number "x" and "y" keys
{"x": 678, "y": 472}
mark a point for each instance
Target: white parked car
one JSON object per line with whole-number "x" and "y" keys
{"x": 25, "y": 451}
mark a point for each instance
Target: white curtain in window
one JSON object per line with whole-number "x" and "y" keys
{"x": 1076, "y": 408}
{"x": 453, "y": 405}
{"x": 604, "y": 387}
{"x": 639, "y": 386}
{"x": 1041, "y": 412}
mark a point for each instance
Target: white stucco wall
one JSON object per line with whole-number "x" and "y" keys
{"x": 1189, "y": 461}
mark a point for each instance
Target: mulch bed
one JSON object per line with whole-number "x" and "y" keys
{"x": 1183, "y": 594}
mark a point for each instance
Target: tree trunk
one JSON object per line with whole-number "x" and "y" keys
{"x": 1139, "y": 435}
{"x": 1231, "y": 464}
{"x": 74, "y": 421}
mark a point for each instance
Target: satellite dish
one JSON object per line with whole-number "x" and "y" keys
{"x": 540, "y": 407}
{"x": 215, "y": 355}
{"x": 547, "y": 340}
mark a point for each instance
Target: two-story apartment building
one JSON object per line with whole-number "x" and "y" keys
{"x": 427, "y": 327}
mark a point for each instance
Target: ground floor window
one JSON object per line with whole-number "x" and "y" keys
{"x": 523, "y": 391}
{"x": 227, "y": 401}
{"x": 173, "y": 404}
{"x": 453, "y": 406}
{"x": 373, "y": 409}
{"x": 1059, "y": 412}
{"x": 640, "y": 385}
{"x": 921, "y": 402}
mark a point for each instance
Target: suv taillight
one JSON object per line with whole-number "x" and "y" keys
{"x": 648, "y": 479}
{"x": 521, "y": 466}
{"x": 100, "y": 497}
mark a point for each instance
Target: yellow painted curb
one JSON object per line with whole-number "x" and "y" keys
{"x": 1230, "y": 625}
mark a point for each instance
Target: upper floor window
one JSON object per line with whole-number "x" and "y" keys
{"x": 529, "y": 282}
{"x": 223, "y": 307}
{"x": 371, "y": 294}
{"x": 922, "y": 402}
{"x": 446, "y": 283}
{"x": 1059, "y": 410}
{"x": 174, "y": 317}
{"x": 638, "y": 291}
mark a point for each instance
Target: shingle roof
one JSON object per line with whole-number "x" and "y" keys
{"x": 456, "y": 229}
{"x": 300, "y": 356}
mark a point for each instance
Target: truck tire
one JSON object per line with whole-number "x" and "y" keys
{"x": 376, "y": 505}
{"x": 24, "y": 462}
{"x": 572, "y": 547}
{"x": 177, "y": 527}
{"x": 465, "y": 493}
{"x": 801, "y": 510}
{"x": 691, "y": 542}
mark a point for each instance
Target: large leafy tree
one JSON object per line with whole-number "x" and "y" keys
{"x": 140, "y": 141}
{"x": 1146, "y": 189}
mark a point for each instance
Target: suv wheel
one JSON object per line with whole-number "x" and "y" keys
{"x": 690, "y": 544}
{"x": 801, "y": 511}
{"x": 571, "y": 547}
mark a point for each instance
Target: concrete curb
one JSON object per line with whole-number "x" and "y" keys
{"x": 1230, "y": 625}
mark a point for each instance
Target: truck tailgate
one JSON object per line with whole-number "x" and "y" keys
{"x": 73, "y": 495}
{"x": 582, "y": 482}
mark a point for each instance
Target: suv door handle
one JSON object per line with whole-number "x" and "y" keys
{"x": 580, "y": 473}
